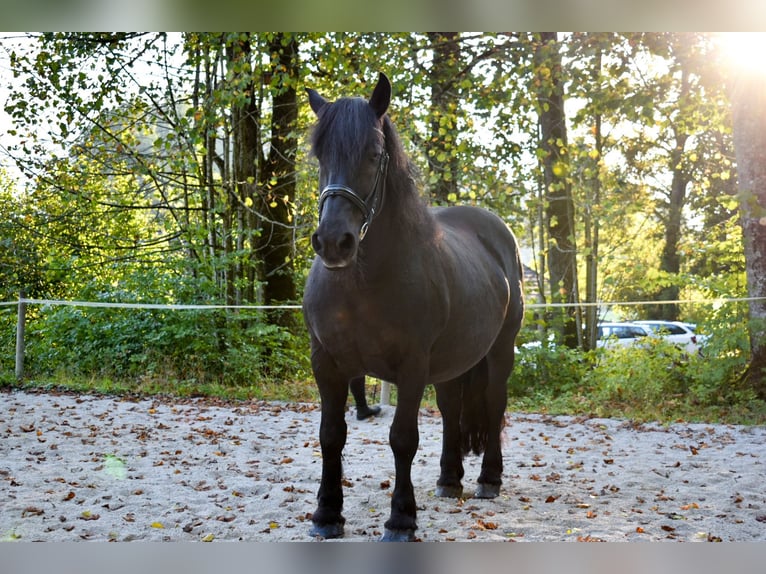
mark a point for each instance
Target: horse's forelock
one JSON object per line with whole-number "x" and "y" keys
{"x": 343, "y": 130}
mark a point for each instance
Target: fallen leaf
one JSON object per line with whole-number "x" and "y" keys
{"x": 482, "y": 525}
{"x": 208, "y": 538}
{"x": 157, "y": 525}
{"x": 32, "y": 511}
{"x": 551, "y": 498}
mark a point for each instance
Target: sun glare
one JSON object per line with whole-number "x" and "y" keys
{"x": 745, "y": 51}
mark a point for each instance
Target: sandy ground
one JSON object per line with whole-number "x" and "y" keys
{"x": 93, "y": 468}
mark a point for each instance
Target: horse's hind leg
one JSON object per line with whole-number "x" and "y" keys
{"x": 448, "y": 399}
{"x": 500, "y": 364}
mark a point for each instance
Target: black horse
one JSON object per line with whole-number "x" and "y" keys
{"x": 409, "y": 294}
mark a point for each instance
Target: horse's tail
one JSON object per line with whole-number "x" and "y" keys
{"x": 474, "y": 419}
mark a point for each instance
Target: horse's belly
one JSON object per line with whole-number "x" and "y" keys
{"x": 465, "y": 342}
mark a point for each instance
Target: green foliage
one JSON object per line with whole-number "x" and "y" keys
{"x": 652, "y": 381}
{"x": 134, "y": 347}
{"x": 546, "y": 372}
{"x": 724, "y": 358}
{"x": 650, "y": 375}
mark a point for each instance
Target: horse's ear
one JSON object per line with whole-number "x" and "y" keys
{"x": 381, "y": 95}
{"x": 316, "y": 101}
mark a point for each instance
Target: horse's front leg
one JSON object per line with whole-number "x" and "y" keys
{"x": 327, "y": 519}
{"x": 404, "y": 437}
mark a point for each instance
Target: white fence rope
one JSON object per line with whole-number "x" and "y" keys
{"x": 181, "y": 307}
{"x": 170, "y": 306}
{"x": 385, "y": 386}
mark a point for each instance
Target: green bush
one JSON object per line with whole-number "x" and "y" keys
{"x": 545, "y": 372}
{"x": 652, "y": 374}
{"x": 653, "y": 380}
{"x": 717, "y": 377}
{"x": 197, "y": 346}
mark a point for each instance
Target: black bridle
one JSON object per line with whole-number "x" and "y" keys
{"x": 368, "y": 207}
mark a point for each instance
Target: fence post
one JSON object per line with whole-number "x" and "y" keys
{"x": 20, "y": 325}
{"x": 385, "y": 393}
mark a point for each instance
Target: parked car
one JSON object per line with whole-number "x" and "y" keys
{"x": 682, "y": 334}
{"x": 624, "y": 334}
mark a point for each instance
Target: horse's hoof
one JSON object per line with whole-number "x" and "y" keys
{"x": 391, "y": 535}
{"x": 484, "y": 490}
{"x": 362, "y": 414}
{"x": 445, "y": 491}
{"x": 327, "y": 530}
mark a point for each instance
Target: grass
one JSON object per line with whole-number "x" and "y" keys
{"x": 583, "y": 402}
{"x": 637, "y": 384}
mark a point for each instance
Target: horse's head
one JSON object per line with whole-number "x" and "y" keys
{"x": 348, "y": 141}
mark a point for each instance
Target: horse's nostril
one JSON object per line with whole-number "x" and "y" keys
{"x": 346, "y": 243}
{"x": 316, "y": 243}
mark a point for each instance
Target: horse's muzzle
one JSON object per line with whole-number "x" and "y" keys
{"x": 336, "y": 250}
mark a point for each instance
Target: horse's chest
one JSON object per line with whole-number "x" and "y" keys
{"x": 362, "y": 332}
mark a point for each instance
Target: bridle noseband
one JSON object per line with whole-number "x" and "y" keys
{"x": 369, "y": 207}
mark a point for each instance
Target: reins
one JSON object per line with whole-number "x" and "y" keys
{"x": 369, "y": 207}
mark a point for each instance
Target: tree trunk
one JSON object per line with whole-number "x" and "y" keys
{"x": 562, "y": 261}
{"x": 670, "y": 261}
{"x": 246, "y": 159}
{"x": 278, "y": 181}
{"x": 591, "y": 220}
{"x": 749, "y": 116}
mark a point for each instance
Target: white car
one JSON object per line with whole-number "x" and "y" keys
{"x": 677, "y": 332}
{"x": 624, "y": 334}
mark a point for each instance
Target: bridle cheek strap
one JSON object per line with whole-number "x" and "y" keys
{"x": 369, "y": 207}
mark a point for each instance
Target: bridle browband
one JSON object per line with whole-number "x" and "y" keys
{"x": 369, "y": 207}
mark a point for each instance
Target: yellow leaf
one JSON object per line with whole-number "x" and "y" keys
{"x": 157, "y": 525}
{"x": 249, "y": 201}
{"x": 208, "y": 538}
{"x": 273, "y": 525}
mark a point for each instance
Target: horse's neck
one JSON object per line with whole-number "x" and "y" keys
{"x": 404, "y": 224}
